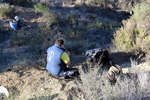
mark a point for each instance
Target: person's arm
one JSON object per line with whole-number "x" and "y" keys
{"x": 67, "y": 52}
{"x": 66, "y": 59}
{"x": 68, "y": 63}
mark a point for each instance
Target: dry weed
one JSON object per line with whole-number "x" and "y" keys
{"x": 130, "y": 86}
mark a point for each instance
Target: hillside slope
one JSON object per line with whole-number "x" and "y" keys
{"x": 24, "y": 81}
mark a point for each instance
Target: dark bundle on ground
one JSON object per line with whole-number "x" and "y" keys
{"x": 98, "y": 57}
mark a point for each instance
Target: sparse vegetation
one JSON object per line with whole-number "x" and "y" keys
{"x": 6, "y": 10}
{"x": 103, "y": 25}
{"x": 134, "y": 35}
{"x": 41, "y": 8}
{"x": 27, "y": 37}
{"x": 95, "y": 87}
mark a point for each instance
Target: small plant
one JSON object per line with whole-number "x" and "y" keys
{"x": 127, "y": 41}
{"x": 41, "y": 8}
{"x": 6, "y": 10}
{"x": 123, "y": 40}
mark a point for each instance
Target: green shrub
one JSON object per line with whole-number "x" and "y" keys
{"x": 141, "y": 13}
{"x": 123, "y": 40}
{"x": 134, "y": 35}
{"x": 127, "y": 41}
{"x": 6, "y": 10}
{"x": 41, "y": 8}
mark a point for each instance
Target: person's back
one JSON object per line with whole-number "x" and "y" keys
{"x": 54, "y": 62}
{"x": 13, "y": 25}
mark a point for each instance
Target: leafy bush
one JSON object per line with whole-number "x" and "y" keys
{"x": 123, "y": 40}
{"x": 6, "y": 10}
{"x": 134, "y": 35}
{"x": 41, "y": 8}
{"x": 127, "y": 41}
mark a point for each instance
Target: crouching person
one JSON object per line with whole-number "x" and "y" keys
{"x": 19, "y": 21}
{"x": 58, "y": 60}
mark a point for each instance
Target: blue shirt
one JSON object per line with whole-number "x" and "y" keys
{"x": 13, "y": 25}
{"x": 54, "y": 62}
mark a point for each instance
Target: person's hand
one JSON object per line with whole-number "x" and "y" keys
{"x": 68, "y": 66}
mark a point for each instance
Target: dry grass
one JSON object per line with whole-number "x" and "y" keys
{"x": 132, "y": 86}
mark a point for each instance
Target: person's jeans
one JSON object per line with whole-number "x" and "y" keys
{"x": 68, "y": 72}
